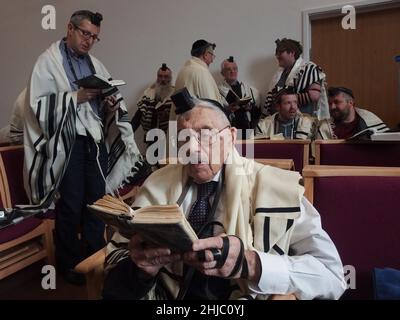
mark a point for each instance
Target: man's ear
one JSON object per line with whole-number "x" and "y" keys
{"x": 234, "y": 135}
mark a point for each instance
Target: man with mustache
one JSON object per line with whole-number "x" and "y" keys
{"x": 346, "y": 119}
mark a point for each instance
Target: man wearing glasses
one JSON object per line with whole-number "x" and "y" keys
{"x": 261, "y": 209}
{"x": 196, "y": 76}
{"x": 67, "y": 152}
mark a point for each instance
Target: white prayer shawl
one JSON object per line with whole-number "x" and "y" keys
{"x": 302, "y": 75}
{"x": 369, "y": 120}
{"x": 197, "y": 78}
{"x": 247, "y": 91}
{"x": 304, "y": 127}
{"x": 258, "y": 204}
{"x": 51, "y": 112}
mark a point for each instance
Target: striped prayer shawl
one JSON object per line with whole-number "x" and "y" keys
{"x": 258, "y": 204}
{"x": 301, "y": 77}
{"x": 50, "y": 115}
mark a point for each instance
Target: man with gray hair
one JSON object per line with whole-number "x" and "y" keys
{"x": 263, "y": 215}
{"x": 196, "y": 76}
{"x": 77, "y": 140}
{"x": 243, "y": 116}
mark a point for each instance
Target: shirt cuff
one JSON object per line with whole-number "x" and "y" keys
{"x": 274, "y": 277}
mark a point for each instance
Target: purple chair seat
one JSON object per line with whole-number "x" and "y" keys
{"x": 15, "y": 231}
{"x": 362, "y": 217}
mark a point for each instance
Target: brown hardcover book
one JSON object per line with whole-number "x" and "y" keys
{"x": 163, "y": 225}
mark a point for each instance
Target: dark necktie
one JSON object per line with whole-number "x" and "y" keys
{"x": 201, "y": 207}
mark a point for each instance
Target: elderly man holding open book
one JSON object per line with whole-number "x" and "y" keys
{"x": 247, "y": 217}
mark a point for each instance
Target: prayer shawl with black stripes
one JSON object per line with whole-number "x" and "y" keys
{"x": 258, "y": 204}
{"x": 304, "y": 127}
{"x": 151, "y": 110}
{"x": 368, "y": 120}
{"x": 302, "y": 75}
{"x": 50, "y": 115}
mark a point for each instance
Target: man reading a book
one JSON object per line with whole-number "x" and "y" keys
{"x": 155, "y": 104}
{"x": 264, "y": 217}
{"x": 71, "y": 135}
{"x": 288, "y": 122}
{"x": 346, "y": 119}
{"x": 243, "y": 117}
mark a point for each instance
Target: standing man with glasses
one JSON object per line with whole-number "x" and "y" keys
{"x": 196, "y": 76}
{"x": 68, "y": 154}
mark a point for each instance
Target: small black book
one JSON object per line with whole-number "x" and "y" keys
{"x": 96, "y": 81}
{"x": 233, "y": 98}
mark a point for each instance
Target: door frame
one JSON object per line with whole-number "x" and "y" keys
{"x": 310, "y": 15}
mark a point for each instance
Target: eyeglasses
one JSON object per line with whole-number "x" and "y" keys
{"x": 205, "y": 137}
{"x": 87, "y": 35}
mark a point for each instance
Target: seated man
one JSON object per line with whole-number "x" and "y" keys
{"x": 243, "y": 117}
{"x": 288, "y": 122}
{"x": 261, "y": 208}
{"x": 155, "y": 105}
{"x": 346, "y": 120}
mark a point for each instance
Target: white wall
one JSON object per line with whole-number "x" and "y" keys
{"x": 137, "y": 36}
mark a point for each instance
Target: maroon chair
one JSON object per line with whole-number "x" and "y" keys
{"x": 29, "y": 240}
{"x": 357, "y": 153}
{"x": 297, "y": 150}
{"x": 359, "y": 211}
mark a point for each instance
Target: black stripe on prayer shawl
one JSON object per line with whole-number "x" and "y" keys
{"x": 116, "y": 150}
{"x": 376, "y": 125}
{"x": 38, "y": 111}
{"x": 278, "y": 210}
{"x": 266, "y": 234}
{"x": 51, "y": 115}
{"x": 278, "y": 250}
{"x": 289, "y": 224}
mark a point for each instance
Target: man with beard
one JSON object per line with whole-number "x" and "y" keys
{"x": 155, "y": 105}
{"x": 288, "y": 122}
{"x": 243, "y": 117}
{"x": 305, "y": 77}
{"x": 347, "y": 120}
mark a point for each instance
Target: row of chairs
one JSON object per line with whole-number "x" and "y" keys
{"x": 327, "y": 152}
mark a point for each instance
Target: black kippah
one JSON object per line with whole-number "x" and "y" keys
{"x": 231, "y": 59}
{"x": 164, "y": 67}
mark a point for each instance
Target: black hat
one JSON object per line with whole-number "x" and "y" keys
{"x": 183, "y": 101}
{"x": 231, "y": 59}
{"x": 164, "y": 67}
{"x": 200, "y": 45}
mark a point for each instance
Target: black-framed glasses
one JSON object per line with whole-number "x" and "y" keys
{"x": 87, "y": 35}
{"x": 205, "y": 137}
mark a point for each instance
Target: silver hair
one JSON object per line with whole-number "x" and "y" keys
{"x": 209, "y": 105}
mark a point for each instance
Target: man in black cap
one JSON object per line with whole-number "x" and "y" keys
{"x": 347, "y": 120}
{"x": 155, "y": 104}
{"x": 243, "y": 117}
{"x": 196, "y": 76}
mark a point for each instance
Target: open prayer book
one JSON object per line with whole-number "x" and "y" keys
{"x": 96, "y": 81}
{"x": 163, "y": 225}
{"x": 374, "y": 135}
{"x": 233, "y": 98}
